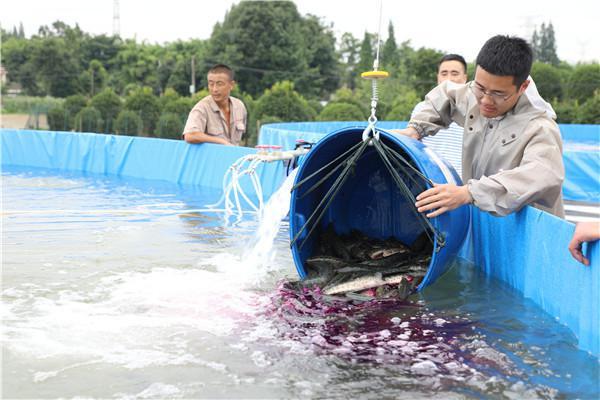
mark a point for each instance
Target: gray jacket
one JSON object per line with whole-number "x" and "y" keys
{"x": 509, "y": 161}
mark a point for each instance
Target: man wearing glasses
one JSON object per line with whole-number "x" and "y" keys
{"x": 512, "y": 150}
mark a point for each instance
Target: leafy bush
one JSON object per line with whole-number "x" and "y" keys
{"x": 58, "y": 119}
{"x": 88, "y": 119}
{"x": 284, "y": 102}
{"x": 585, "y": 80}
{"x": 180, "y": 106}
{"x": 73, "y": 104}
{"x": 128, "y": 123}
{"x": 402, "y": 106}
{"x": 146, "y": 105}
{"x": 170, "y": 126}
{"x": 548, "y": 80}
{"x": 566, "y": 111}
{"x": 109, "y": 105}
{"x": 341, "y": 112}
{"x": 589, "y": 112}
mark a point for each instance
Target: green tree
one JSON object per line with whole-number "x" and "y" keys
{"x": 589, "y": 112}
{"x": 584, "y": 81}
{"x": 175, "y": 70}
{"x": 347, "y": 96}
{"x": 72, "y": 105}
{"x": 341, "y": 112}
{"x": 128, "y": 123}
{"x": 366, "y": 54}
{"x": 143, "y": 102}
{"x": 102, "y": 48}
{"x": 262, "y": 42}
{"x": 94, "y": 78}
{"x": 422, "y": 65}
{"x": 548, "y": 80}
{"x": 109, "y": 104}
{"x": 170, "y": 126}
{"x": 348, "y": 52}
{"x": 58, "y": 119}
{"x": 389, "y": 54}
{"x": 544, "y": 45}
{"x": 320, "y": 76}
{"x": 567, "y": 111}
{"x": 283, "y": 102}
{"x": 88, "y": 119}
{"x": 403, "y": 105}
{"x": 136, "y": 64}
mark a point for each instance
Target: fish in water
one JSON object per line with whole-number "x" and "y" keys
{"x": 356, "y": 265}
{"x": 365, "y": 282}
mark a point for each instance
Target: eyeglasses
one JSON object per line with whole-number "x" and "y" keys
{"x": 497, "y": 98}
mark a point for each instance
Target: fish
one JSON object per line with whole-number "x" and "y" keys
{"x": 356, "y": 265}
{"x": 362, "y": 283}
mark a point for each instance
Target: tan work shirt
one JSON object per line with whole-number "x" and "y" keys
{"x": 207, "y": 117}
{"x": 507, "y": 162}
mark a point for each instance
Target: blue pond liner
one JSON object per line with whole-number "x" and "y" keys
{"x": 370, "y": 202}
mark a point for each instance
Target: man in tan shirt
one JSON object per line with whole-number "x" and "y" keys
{"x": 217, "y": 118}
{"x": 512, "y": 149}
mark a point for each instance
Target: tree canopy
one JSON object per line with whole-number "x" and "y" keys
{"x": 275, "y": 52}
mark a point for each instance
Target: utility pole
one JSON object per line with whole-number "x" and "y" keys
{"x": 193, "y": 77}
{"x": 193, "y": 85}
{"x": 92, "y": 81}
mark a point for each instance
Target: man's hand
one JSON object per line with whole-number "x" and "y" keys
{"x": 409, "y": 131}
{"x": 444, "y": 197}
{"x": 201, "y": 137}
{"x": 584, "y": 232}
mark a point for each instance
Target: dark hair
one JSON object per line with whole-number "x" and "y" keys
{"x": 453, "y": 57}
{"x": 506, "y": 56}
{"x": 221, "y": 69}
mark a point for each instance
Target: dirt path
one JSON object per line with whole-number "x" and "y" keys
{"x": 19, "y": 121}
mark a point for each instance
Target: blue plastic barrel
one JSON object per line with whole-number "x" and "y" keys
{"x": 370, "y": 202}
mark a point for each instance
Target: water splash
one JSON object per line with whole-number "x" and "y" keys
{"x": 261, "y": 251}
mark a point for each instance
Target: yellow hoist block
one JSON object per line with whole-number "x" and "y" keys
{"x": 375, "y": 75}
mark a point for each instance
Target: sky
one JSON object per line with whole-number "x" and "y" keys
{"x": 458, "y": 26}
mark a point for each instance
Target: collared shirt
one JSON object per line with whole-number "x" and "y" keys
{"x": 207, "y": 117}
{"x": 508, "y": 162}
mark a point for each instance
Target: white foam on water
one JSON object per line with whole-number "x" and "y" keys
{"x": 141, "y": 319}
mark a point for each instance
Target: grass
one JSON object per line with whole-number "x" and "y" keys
{"x": 28, "y": 104}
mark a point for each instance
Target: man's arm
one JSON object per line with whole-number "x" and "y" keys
{"x": 588, "y": 231}
{"x": 195, "y": 126}
{"x": 435, "y": 112}
{"x": 537, "y": 178}
{"x": 409, "y": 131}
{"x": 201, "y": 137}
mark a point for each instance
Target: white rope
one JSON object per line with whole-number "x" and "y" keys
{"x": 234, "y": 199}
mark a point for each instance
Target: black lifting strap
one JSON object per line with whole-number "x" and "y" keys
{"x": 333, "y": 190}
{"x": 405, "y": 190}
{"x": 390, "y": 159}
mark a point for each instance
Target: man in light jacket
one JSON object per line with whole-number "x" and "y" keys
{"x": 512, "y": 149}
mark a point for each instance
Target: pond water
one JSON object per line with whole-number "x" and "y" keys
{"x": 117, "y": 288}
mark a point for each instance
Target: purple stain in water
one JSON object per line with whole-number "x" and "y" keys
{"x": 387, "y": 331}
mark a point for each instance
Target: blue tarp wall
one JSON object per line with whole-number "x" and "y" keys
{"x": 581, "y": 151}
{"x": 137, "y": 157}
{"x": 527, "y": 250}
